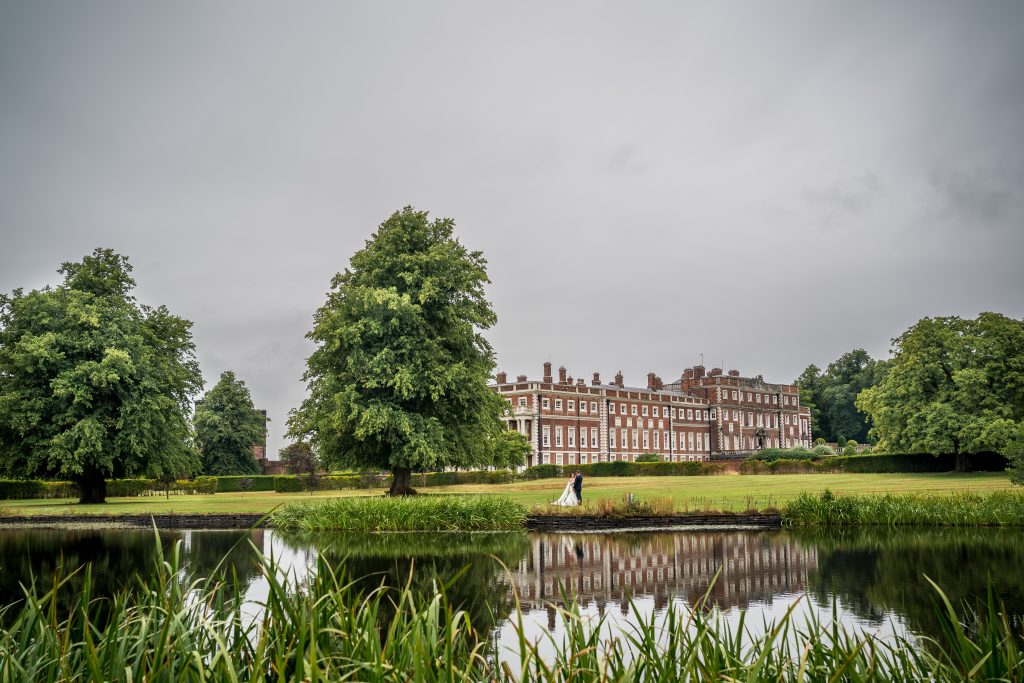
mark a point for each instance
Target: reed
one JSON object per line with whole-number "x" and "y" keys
{"x": 414, "y": 513}
{"x": 170, "y": 628}
{"x": 999, "y": 508}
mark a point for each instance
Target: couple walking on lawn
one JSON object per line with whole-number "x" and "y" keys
{"x": 573, "y": 493}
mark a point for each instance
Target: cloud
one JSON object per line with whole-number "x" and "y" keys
{"x": 847, "y": 197}
{"x": 980, "y": 197}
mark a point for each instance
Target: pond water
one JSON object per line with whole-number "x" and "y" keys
{"x": 870, "y": 579}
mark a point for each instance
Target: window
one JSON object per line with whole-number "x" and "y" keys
{"x": 558, "y": 459}
{"x": 572, "y": 405}
{"x": 583, "y": 438}
{"x": 547, "y": 435}
{"x": 558, "y": 404}
{"x": 665, "y": 440}
{"x": 622, "y": 441}
{"x": 646, "y": 440}
{"x": 734, "y": 395}
{"x": 775, "y": 400}
{"x": 629, "y": 422}
{"x": 689, "y": 441}
{"x": 750, "y": 419}
{"x": 618, "y": 421}
{"x": 674, "y": 446}
{"x": 661, "y": 424}
{"x": 706, "y": 415}
{"x": 700, "y": 442}
{"x": 749, "y": 398}
{"x": 743, "y": 441}
{"x": 657, "y": 441}
{"x": 632, "y": 409}
{"x": 759, "y": 398}
{"x": 673, "y": 413}
{"x": 633, "y": 438}
{"x": 712, "y": 413}
{"x": 558, "y": 437}
{"x": 611, "y": 438}
{"x": 689, "y": 413}
{"x": 593, "y": 406}
{"x": 657, "y": 413}
{"x": 572, "y": 436}
{"x": 611, "y": 408}
{"x": 522, "y": 401}
{"x": 645, "y": 411}
{"x": 593, "y": 437}
{"x": 760, "y": 420}
{"x": 545, "y": 403}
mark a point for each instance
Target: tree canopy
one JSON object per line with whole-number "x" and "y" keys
{"x": 399, "y": 378}
{"x": 952, "y": 386}
{"x": 831, "y": 395}
{"x": 227, "y": 427}
{"x": 93, "y": 384}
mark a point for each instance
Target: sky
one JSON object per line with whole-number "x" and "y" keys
{"x": 761, "y": 185}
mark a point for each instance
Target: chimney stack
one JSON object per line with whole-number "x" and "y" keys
{"x": 734, "y": 373}
{"x": 502, "y": 378}
{"x": 547, "y": 373}
{"x": 581, "y": 382}
{"x": 652, "y": 380}
{"x": 618, "y": 379}
{"x": 520, "y": 378}
{"x": 688, "y": 373}
{"x": 715, "y": 372}
{"x": 698, "y": 371}
{"x": 561, "y": 375}
{"x": 597, "y": 379}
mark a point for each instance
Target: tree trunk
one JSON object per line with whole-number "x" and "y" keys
{"x": 401, "y": 482}
{"x": 963, "y": 463}
{"x": 93, "y": 488}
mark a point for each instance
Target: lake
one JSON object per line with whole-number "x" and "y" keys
{"x": 870, "y": 579}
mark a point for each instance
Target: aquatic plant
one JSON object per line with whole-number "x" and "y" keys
{"x": 998, "y": 508}
{"x": 412, "y": 513}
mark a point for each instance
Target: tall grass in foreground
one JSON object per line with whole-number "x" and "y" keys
{"x": 170, "y": 629}
{"x": 412, "y": 513}
{"x": 999, "y": 508}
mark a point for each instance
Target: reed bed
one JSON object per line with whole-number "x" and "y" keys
{"x": 999, "y": 508}
{"x": 169, "y": 628}
{"x": 413, "y": 513}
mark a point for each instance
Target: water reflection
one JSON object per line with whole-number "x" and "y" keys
{"x": 875, "y": 577}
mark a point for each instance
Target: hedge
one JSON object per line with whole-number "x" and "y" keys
{"x": 626, "y": 469}
{"x": 897, "y": 463}
{"x": 116, "y": 488}
{"x": 232, "y": 484}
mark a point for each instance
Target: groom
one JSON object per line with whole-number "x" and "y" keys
{"x": 577, "y": 486}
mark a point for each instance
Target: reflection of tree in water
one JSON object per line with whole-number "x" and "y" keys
{"x": 117, "y": 557}
{"x": 374, "y": 560}
{"x": 877, "y": 570}
{"x": 229, "y": 550}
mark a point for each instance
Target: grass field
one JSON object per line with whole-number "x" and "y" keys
{"x": 688, "y": 493}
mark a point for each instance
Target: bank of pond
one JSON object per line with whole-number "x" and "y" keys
{"x": 798, "y": 604}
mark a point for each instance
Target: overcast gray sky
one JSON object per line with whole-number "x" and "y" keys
{"x": 769, "y": 184}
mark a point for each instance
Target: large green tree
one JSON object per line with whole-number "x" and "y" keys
{"x": 93, "y": 384}
{"x": 399, "y": 378}
{"x": 227, "y": 427}
{"x": 952, "y": 386}
{"x": 831, "y": 395}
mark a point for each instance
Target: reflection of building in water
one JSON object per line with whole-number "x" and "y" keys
{"x": 608, "y": 569}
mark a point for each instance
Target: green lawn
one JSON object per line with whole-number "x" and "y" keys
{"x": 726, "y": 492}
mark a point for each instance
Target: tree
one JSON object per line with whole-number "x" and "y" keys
{"x": 510, "y": 449}
{"x": 831, "y": 395}
{"x": 952, "y": 386}
{"x": 300, "y": 460}
{"x": 93, "y": 384}
{"x": 227, "y": 427}
{"x": 399, "y": 377}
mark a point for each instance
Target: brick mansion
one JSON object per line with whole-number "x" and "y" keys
{"x": 699, "y": 417}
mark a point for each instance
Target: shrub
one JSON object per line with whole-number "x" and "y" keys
{"x": 649, "y": 457}
{"x": 541, "y": 472}
{"x": 785, "y": 454}
{"x": 823, "y": 449}
{"x": 637, "y": 507}
{"x": 999, "y": 508}
{"x": 232, "y": 483}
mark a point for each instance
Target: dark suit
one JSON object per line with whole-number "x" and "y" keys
{"x": 577, "y": 487}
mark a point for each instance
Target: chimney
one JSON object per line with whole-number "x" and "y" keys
{"x": 715, "y": 372}
{"x": 734, "y": 373}
{"x": 618, "y": 379}
{"x": 502, "y": 378}
{"x": 547, "y": 373}
{"x": 688, "y": 373}
{"x": 581, "y": 382}
{"x": 561, "y": 375}
{"x": 652, "y": 380}
{"x": 520, "y": 378}
{"x": 659, "y": 385}
{"x": 698, "y": 371}
{"x": 597, "y": 379}
{"x": 569, "y": 381}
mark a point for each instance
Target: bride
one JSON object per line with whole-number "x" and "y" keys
{"x": 568, "y": 495}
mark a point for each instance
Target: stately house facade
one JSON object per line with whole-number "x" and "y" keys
{"x": 700, "y": 417}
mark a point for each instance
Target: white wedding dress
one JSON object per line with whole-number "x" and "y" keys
{"x": 568, "y": 496}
